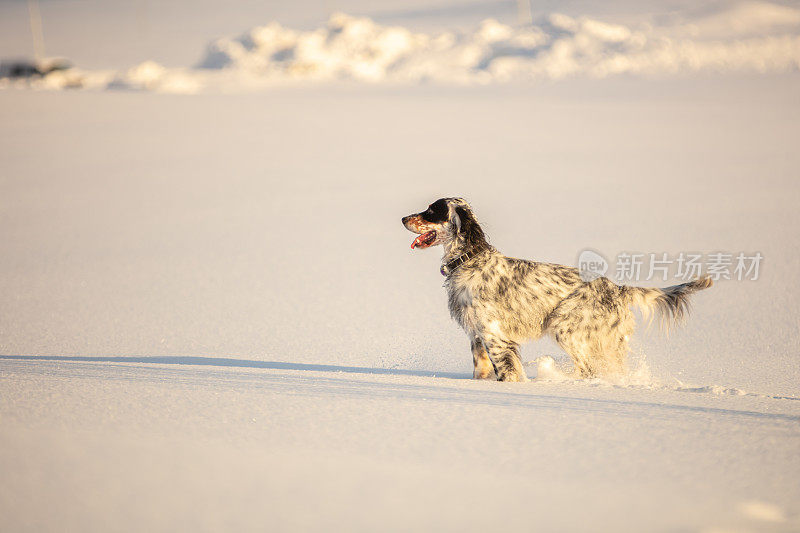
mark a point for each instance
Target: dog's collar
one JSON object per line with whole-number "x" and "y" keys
{"x": 450, "y": 266}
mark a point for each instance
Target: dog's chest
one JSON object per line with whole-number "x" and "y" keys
{"x": 461, "y": 294}
{"x": 460, "y": 297}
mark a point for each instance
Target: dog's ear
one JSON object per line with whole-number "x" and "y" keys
{"x": 455, "y": 217}
{"x": 461, "y": 218}
{"x": 468, "y": 222}
{"x": 468, "y": 226}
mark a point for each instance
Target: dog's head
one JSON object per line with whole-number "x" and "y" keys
{"x": 446, "y": 221}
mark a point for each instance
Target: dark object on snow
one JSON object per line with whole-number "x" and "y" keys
{"x": 22, "y": 68}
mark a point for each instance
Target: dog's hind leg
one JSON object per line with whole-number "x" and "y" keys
{"x": 578, "y": 349}
{"x": 584, "y": 357}
{"x": 484, "y": 368}
{"x": 593, "y": 325}
{"x": 505, "y": 357}
{"x": 596, "y": 354}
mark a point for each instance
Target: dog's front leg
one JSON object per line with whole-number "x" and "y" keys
{"x": 484, "y": 368}
{"x": 505, "y": 356}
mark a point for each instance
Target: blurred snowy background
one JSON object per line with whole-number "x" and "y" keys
{"x": 226, "y": 180}
{"x": 461, "y": 42}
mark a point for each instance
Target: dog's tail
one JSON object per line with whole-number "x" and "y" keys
{"x": 669, "y": 302}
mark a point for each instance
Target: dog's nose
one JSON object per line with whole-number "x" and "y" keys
{"x": 404, "y": 220}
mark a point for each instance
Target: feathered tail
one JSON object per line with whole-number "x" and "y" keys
{"x": 669, "y": 302}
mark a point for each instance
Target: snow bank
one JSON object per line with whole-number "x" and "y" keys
{"x": 152, "y": 76}
{"x": 743, "y": 19}
{"x": 746, "y": 37}
{"x": 760, "y": 38}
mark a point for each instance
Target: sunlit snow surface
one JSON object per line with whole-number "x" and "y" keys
{"x": 211, "y": 318}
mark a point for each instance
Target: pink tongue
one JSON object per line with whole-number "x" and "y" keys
{"x": 424, "y": 240}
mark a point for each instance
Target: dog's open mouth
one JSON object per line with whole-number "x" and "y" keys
{"x": 424, "y": 240}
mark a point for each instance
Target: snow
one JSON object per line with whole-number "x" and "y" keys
{"x": 211, "y": 318}
{"x": 757, "y": 37}
{"x": 97, "y": 446}
{"x": 740, "y": 37}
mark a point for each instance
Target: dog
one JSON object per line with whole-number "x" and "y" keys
{"x": 502, "y": 301}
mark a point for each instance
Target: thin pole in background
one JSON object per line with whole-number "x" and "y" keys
{"x": 524, "y": 12}
{"x": 36, "y": 30}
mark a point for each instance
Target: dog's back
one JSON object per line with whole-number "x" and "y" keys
{"x": 512, "y": 295}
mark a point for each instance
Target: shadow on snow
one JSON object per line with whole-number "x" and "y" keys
{"x": 241, "y": 363}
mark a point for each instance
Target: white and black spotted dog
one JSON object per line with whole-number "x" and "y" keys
{"x": 501, "y": 301}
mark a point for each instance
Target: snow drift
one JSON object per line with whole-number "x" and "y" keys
{"x": 748, "y": 37}
{"x": 759, "y": 40}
